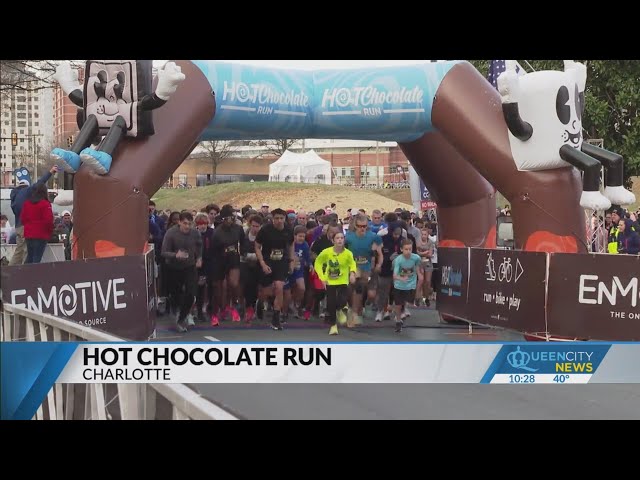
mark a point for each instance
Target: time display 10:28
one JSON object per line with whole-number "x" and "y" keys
{"x": 522, "y": 378}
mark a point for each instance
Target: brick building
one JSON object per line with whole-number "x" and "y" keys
{"x": 65, "y": 124}
{"x": 353, "y": 163}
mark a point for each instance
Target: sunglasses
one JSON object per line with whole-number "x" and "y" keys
{"x": 362, "y": 226}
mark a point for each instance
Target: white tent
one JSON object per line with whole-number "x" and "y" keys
{"x": 300, "y": 168}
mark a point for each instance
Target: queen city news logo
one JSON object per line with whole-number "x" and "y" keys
{"x": 570, "y": 358}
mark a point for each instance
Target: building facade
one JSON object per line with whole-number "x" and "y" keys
{"x": 65, "y": 124}
{"x": 26, "y": 126}
{"x": 353, "y": 162}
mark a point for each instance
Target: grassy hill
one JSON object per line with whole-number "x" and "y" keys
{"x": 293, "y": 195}
{"x": 284, "y": 195}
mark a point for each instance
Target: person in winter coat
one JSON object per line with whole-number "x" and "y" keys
{"x": 37, "y": 218}
{"x": 628, "y": 240}
{"x": 18, "y": 197}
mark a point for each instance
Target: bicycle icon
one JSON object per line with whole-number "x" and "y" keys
{"x": 505, "y": 271}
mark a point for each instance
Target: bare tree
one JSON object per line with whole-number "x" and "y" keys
{"x": 275, "y": 147}
{"x": 28, "y": 75}
{"x": 216, "y": 151}
{"x": 37, "y": 157}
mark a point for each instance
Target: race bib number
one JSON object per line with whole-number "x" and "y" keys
{"x": 362, "y": 260}
{"x": 276, "y": 255}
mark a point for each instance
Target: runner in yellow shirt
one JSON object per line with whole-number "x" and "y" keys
{"x": 340, "y": 271}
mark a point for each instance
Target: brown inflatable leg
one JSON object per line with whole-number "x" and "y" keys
{"x": 111, "y": 211}
{"x": 466, "y": 201}
{"x": 546, "y": 204}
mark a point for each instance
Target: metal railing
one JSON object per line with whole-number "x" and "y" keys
{"x": 126, "y": 401}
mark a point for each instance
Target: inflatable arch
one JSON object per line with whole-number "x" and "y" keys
{"x": 457, "y": 131}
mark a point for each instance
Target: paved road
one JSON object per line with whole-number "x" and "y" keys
{"x": 433, "y": 401}
{"x": 423, "y": 326}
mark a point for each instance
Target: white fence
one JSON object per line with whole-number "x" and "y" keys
{"x": 126, "y": 401}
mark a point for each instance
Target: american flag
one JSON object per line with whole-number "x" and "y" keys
{"x": 497, "y": 67}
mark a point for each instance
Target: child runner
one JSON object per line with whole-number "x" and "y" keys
{"x": 406, "y": 272}
{"x": 340, "y": 272}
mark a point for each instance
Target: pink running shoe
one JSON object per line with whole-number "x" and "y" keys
{"x": 235, "y": 316}
{"x": 215, "y": 322}
{"x": 250, "y": 314}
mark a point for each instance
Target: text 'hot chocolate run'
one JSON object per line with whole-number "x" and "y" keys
{"x": 165, "y": 356}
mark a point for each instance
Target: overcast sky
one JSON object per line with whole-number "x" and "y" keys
{"x": 321, "y": 64}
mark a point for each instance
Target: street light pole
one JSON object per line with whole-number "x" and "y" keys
{"x": 378, "y": 164}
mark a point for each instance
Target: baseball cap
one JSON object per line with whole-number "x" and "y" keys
{"x": 618, "y": 211}
{"x": 66, "y": 212}
{"x": 265, "y": 204}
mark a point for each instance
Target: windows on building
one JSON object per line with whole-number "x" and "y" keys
{"x": 182, "y": 178}
{"x": 202, "y": 180}
{"x": 347, "y": 172}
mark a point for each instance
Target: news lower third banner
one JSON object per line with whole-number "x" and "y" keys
{"x": 30, "y": 369}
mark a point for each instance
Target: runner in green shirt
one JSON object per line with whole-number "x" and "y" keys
{"x": 341, "y": 270}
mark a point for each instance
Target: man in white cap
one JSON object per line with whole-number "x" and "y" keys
{"x": 18, "y": 196}
{"x": 264, "y": 210}
{"x": 64, "y": 231}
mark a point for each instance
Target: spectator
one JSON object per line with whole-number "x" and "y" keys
{"x": 18, "y": 197}
{"x": 628, "y": 240}
{"x": 6, "y": 230}
{"x": 36, "y": 216}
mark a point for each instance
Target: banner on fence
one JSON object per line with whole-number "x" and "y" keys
{"x": 110, "y": 294}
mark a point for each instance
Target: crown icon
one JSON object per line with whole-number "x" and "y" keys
{"x": 519, "y": 359}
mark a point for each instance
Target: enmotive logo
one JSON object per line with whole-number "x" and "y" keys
{"x": 66, "y": 299}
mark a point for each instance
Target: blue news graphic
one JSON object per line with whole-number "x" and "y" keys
{"x": 547, "y": 358}
{"x": 28, "y": 370}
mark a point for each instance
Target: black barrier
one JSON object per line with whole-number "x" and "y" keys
{"x": 507, "y": 289}
{"x": 578, "y": 296}
{"x": 452, "y": 295}
{"x": 115, "y": 295}
{"x": 594, "y": 296}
